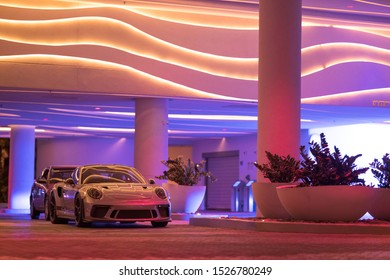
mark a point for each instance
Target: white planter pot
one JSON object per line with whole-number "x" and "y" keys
{"x": 380, "y": 207}
{"x": 185, "y": 199}
{"x": 326, "y": 203}
{"x": 267, "y": 200}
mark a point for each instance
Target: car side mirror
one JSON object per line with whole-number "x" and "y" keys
{"x": 152, "y": 182}
{"x": 41, "y": 180}
{"x": 69, "y": 181}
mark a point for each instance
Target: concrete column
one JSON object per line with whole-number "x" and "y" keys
{"x": 21, "y": 167}
{"x": 279, "y": 78}
{"x": 151, "y": 136}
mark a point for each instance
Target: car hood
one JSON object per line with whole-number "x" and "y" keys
{"x": 139, "y": 191}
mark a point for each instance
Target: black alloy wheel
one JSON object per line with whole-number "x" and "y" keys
{"x": 47, "y": 212}
{"x": 79, "y": 212}
{"x": 54, "y": 219}
{"x": 34, "y": 214}
{"x": 159, "y": 224}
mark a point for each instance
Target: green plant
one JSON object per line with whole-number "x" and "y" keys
{"x": 381, "y": 171}
{"x": 4, "y": 149}
{"x": 326, "y": 168}
{"x": 279, "y": 169}
{"x": 185, "y": 173}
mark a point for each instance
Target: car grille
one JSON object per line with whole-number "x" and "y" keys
{"x": 133, "y": 214}
{"x": 164, "y": 211}
{"x": 99, "y": 211}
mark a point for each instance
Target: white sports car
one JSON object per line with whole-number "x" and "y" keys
{"x": 42, "y": 186}
{"x": 109, "y": 193}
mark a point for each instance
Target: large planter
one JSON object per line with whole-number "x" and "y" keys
{"x": 326, "y": 203}
{"x": 380, "y": 206}
{"x": 267, "y": 200}
{"x": 185, "y": 199}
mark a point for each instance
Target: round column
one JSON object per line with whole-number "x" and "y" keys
{"x": 279, "y": 78}
{"x": 21, "y": 166}
{"x": 151, "y": 136}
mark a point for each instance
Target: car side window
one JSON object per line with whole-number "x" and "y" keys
{"x": 45, "y": 173}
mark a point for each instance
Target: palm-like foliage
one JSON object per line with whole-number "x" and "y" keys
{"x": 381, "y": 171}
{"x": 184, "y": 173}
{"x": 279, "y": 169}
{"x": 328, "y": 168}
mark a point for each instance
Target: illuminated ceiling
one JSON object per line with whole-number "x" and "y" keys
{"x": 73, "y": 68}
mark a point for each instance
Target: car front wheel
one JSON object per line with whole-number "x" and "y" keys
{"x": 54, "y": 219}
{"x": 159, "y": 224}
{"x": 79, "y": 212}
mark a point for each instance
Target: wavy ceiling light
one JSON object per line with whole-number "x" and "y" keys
{"x": 153, "y": 81}
{"x": 347, "y": 11}
{"x": 370, "y": 97}
{"x": 316, "y": 58}
{"x": 200, "y": 16}
{"x": 373, "y": 3}
{"x": 44, "y": 4}
{"x": 374, "y": 29}
{"x": 116, "y": 34}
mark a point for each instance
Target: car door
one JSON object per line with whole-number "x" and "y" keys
{"x": 39, "y": 190}
{"x": 69, "y": 192}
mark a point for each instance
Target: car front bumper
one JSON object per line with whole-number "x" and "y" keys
{"x": 158, "y": 213}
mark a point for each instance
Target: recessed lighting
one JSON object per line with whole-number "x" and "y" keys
{"x": 306, "y": 120}
{"x": 213, "y": 117}
{"x": 132, "y": 114}
{"x": 107, "y": 129}
{"x": 7, "y": 129}
{"x": 8, "y": 115}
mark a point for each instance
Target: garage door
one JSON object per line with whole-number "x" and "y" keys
{"x": 225, "y": 167}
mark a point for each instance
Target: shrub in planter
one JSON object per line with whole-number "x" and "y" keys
{"x": 184, "y": 173}
{"x": 380, "y": 207}
{"x": 280, "y": 170}
{"x": 381, "y": 171}
{"x": 183, "y": 177}
{"x": 330, "y": 188}
{"x": 326, "y": 168}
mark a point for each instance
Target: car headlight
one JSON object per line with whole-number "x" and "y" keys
{"x": 160, "y": 192}
{"x": 94, "y": 193}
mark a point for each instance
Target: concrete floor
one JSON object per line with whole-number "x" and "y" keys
{"x": 25, "y": 239}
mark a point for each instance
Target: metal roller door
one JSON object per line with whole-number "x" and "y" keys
{"x": 225, "y": 167}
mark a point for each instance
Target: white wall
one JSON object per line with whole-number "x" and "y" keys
{"x": 176, "y": 151}
{"x": 79, "y": 151}
{"x": 246, "y": 145}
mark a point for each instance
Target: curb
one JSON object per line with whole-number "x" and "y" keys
{"x": 293, "y": 227}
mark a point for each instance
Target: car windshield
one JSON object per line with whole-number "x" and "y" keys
{"x": 110, "y": 174}
{"x": 61, "y": 174}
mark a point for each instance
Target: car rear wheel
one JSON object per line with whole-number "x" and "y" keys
{"x": 54, "y": 219}
{"x": 47, "y": 212}
{"x": 34, "y": 214}
{"x": 159, "y": 224}
{"x": 79, "y": 212}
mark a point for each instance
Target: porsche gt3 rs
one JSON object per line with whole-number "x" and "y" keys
{"x": 108, "y": 193}
{"x": 42, "y": 186}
